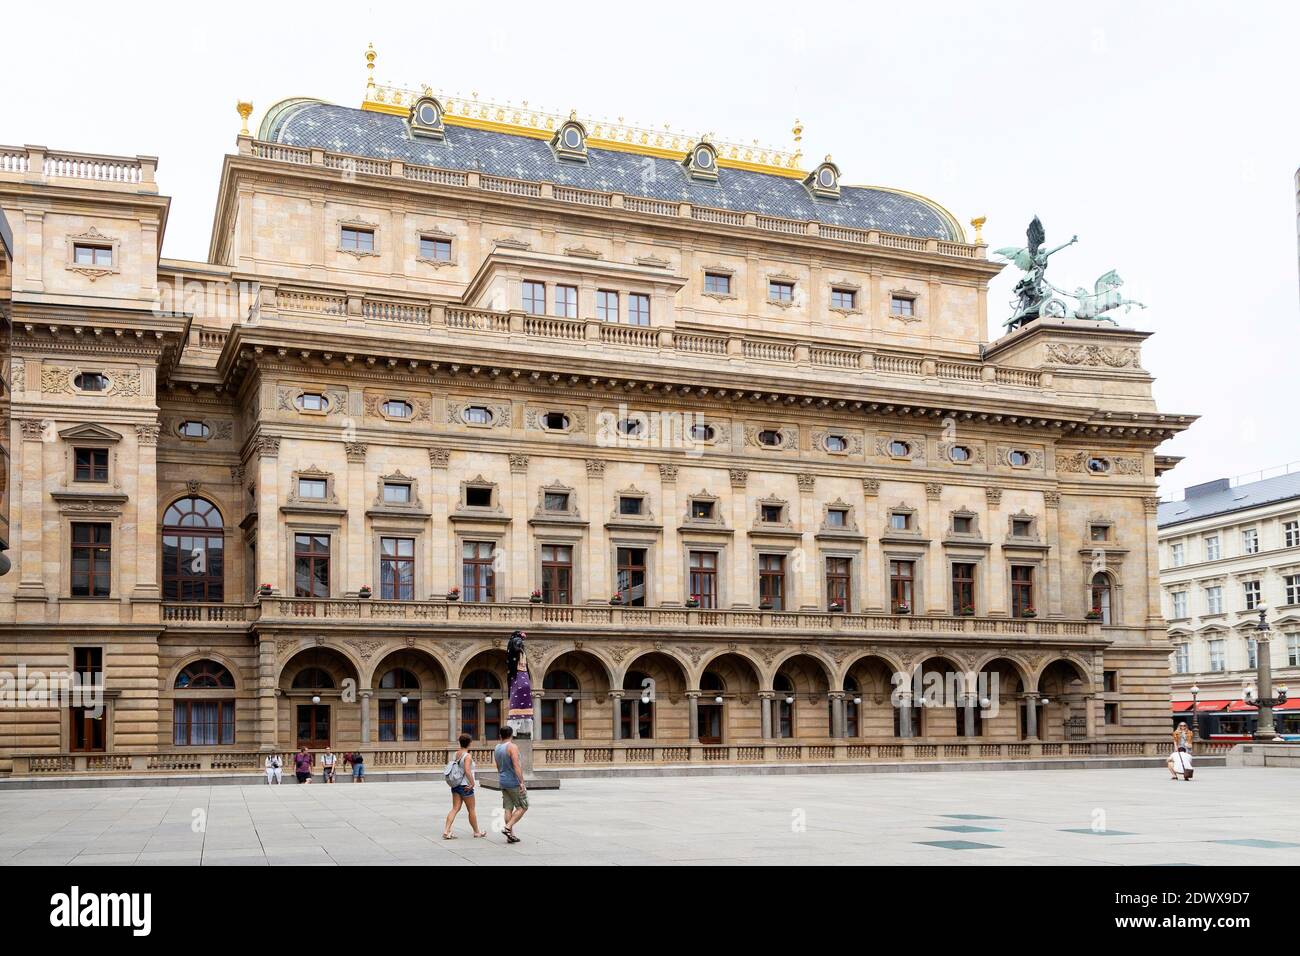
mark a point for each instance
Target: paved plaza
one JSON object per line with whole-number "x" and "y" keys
{"x": 1084, "y": 817}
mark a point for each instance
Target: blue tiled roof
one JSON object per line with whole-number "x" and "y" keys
{"x": 341, "y": 129}
{"x": 1216, "y": 498}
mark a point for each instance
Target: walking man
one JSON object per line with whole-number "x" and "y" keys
{"x": 510, "y": 770}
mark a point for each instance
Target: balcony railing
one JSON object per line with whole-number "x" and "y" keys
{"x": 43, "y": 165}
{"x": 553, "y": 754}
{"x": 369, "y": 166}
{"x": 615, "y": 617}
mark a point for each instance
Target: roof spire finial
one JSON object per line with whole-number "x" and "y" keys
{"x": 245, "y": 109}
{"x": 978, "y": 223}
{"x": 798, "y": 131}
{"x": 370, "y": 66}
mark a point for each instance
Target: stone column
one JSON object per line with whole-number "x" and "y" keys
{"x": 599, "y": 589}
{"x": 1052, "y": 500}
{"x": 440, "y": 550}
{"x": 634, "y": 722}
{"x": 693, "y": 710}
{"x": 267, "y": 449}
{"x": 873, "y": 594}
{"x": 765, "y": 698}
{"x": 837, "y": 713}
{"x": 673, "y": 590}
{"x": 616, "y": 701}
{"x": 995, "y": 583}
{"x": 1031, "y": 716}
{"x": 538, "y": 695}
{"x": 969, "y": 704}
{"x": 905, "y": 714}
{"x": 937, "y": 600}
{"x": 146, "y": 508}
{"x": 266, "y": 699}
{"x": 365, "y": 716}
{"x": 358, "y": 565}
{"x": 742, "y": 585}
{"x": 453, "y": 714}
{"x": 519, "y": 553}
{"x": 809, "y": 581}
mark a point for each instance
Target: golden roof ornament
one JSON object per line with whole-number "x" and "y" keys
{"x": 978, "y": 223}
{"x": 370, "y": 67}
{"x": 245, "y": 109}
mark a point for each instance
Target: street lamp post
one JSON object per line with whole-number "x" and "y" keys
{"x": 1264, "y": 699}
{"x": 1196, "y": 723}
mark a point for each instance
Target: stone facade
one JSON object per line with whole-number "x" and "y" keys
{"x": 733, "y": 469}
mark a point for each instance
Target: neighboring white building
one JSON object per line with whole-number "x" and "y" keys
{"x": 1226, "y": 552}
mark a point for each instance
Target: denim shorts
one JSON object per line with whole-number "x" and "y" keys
{"x": 463, "y": 791}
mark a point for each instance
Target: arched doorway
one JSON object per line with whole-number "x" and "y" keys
{"x": 1064, "y": 696}
{"x": 406, "y": 686}
{"x": 484, "y": 696}
{"x": 574, "y": 684}
{"x": 868, "y": 691}
{"x": 193, "y": 552}
{"x": 943, "y": 708}
{"x": 314, "y": 711}
{"x": 1002, "y": 685}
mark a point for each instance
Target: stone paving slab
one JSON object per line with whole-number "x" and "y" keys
{"x": 1027, "y": 818}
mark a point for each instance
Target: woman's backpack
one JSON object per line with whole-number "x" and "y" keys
{"x": 455, "y": 772}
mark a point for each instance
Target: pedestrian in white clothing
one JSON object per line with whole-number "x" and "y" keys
{"x": 274, "y": 769}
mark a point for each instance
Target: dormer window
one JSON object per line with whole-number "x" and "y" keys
{"x": 426, "y": 118}
{"x": 570, "y": 142}
{"x": 824, "y": 181}
{"x": 702, "y": 163}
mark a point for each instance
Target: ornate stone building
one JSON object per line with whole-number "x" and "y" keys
{"x": 723, "y": 434}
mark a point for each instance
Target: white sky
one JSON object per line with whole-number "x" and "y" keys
{"x": 1162, "y": 133}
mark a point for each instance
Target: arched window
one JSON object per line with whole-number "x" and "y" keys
{"x": 480, "y": 713}
{"x": 312, "y": 678}
{"x": 1102, "y": 596}
{"x": 399, "y": 678}
{"x": 637, "y": 709}
{"x": 851, "y": 696}
{"x": 712, "y": 682}
{"x": 193, "y": 552}
{"x": 399, "y": 714}
{"x": 204, "y": 675}
{"x": 784, "y": 706}
{"x": 206, "y": 719}
{"x": 709, "y": 709}
{"x": 560, "y": 710}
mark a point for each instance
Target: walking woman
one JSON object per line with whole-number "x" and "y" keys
{"x": 460, "y": 777}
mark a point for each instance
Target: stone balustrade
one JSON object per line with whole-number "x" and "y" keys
{"x": 41, "y": 165}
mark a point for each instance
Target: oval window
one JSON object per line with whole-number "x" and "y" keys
{"x": 1099, "y": 466}
{"x": 769, "y": 437}
{"x": 572, "y": 138}
{"x": 428, "y": 114}
{"x": 703, "y": 158}
{"x": 92, "y": 382}
{"x": 477, "y": 415}
{"x": 556, "y": 421}
{"x": 702, "y": 432}
{"x": 193, "y": 429}
{"x": 900, "y": 449}
{"x": 1018, "y": 458}
{"x": 836, "y": 443}
{"x": 959, "y": 453}
{"x": 826, "y": 177}
{"x": 630, "y": 427}
{"x": 312, "y": 402}
{"x": 398, "y": 409}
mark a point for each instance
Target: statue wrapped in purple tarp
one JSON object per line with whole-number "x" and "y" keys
{"x": 520, "y": 715}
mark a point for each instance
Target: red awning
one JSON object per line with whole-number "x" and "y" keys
{"x": 1238, "y": 705}
{"x": 1209, "y": 706}
{"x": 1182, "y": 706}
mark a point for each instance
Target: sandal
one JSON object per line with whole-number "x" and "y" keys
{"x": 481, "y": 834}
{"x": 449, "y": 836}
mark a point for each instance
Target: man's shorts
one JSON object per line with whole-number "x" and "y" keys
{"x": 512, "y": 798}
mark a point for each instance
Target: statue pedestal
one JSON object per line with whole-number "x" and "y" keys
{"x": 488, "y": 779}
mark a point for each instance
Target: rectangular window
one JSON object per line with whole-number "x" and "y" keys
{"x": 555, "y": 501}
{"x": 900, "y": 521}
{"x": 535, "y": 298}
{"x": 1292, "y": 582}
{"x": 1293, "y": 650}
{"x": 203, "y": 723}
{"x": 92, "y": 559}
{"x": 1291, "y": 534}
{"x": 1252, "y": 650}
{"x": 1252, "y": 592}
{"x": 397, "y": 493}
{"x": 478, "y": 574}
{"x": 963, "y": 589}
{"x": 566, "y": 301}
{"x": 1214, "y": 600}
{"x": 1112, "y": 713}
{"x": 1178, "y": 602}
{"x": 902, "y": 305}
{"x": 88, "y": 662}
{"x": 839, "y": 589}
{"x": 478, "y": 496}
{"x": 837, "y": 518}
{"x": 901, "y": 577}
{"x": 90, "y": 464}
{"x": 1109, "y": 681}
{"x": 1212, "y": 548}
{"x": 704, "y": 578}
{"x": 357, "y": 240}
{"x": 702, "y": 510}
{"x": 314, "y": 488}
{"x": 1182, "y": 659}
{"x": 557, "y": 574}
{"x": 437, "y": 249}
{"x": 1099, "y": 532}
{"x": 1176, "y": 555}
{"x": 1022, "y": 590}
{"x": 311, "y": 565}
{"x": 846, "y": 299}
{"x": 397, "y": 569}
{"x": 88, "y": 255}
{"x": 771, "y": 581}
{"x": 631, "y": 579}
{"x": 1216, "y": 655}
{"x": 1250, "y": 541}
{"x": 631, "y": 506}
{"x": 963, "y": 524}
{"x": 1022, "y": 527}
{"x": 782, "y": 292}
{"x": 638, "y": 309}
{"x": 771, "y": 514}
{"x": 717, "y": 283}
{"x": 607, "y": 305}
